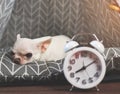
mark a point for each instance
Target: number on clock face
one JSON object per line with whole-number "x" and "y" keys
{"x": 84, "y": 82}
{"x": 90, "y": 80}
{"x": 77, "y": 79}
{"x": 69, "y": 68}
{"x": 96, "y": 74}
{"x": 72, "y": 61}
{"x": 72, "y": 75}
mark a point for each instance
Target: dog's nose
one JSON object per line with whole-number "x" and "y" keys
{"x": 17, "y": 60}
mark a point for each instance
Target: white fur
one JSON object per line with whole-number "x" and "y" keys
{"x": 55, "y": 50}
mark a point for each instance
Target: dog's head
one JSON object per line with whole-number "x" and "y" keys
{"x": 25, "y": 50}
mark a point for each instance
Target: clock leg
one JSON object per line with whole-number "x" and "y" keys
{"x": 97, "y": 88}
{"x": 71, "y": 88}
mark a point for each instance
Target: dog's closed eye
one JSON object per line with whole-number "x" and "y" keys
{"x": 12, "y": 53}
{"x": 28, "y": 55}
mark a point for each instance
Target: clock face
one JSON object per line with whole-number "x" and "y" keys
{"x": 84, "y": 67}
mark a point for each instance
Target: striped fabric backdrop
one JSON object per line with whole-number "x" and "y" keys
{"x": 37, "y": 18}
{"x": 6, "y": 7}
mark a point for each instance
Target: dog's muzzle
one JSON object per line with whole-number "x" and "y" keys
{"x": 17, "y": 60}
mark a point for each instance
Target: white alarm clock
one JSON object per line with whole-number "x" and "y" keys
{"x": 84, "y": 67}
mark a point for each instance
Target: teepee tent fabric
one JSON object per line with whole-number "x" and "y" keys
{"x": 6, "y": 7}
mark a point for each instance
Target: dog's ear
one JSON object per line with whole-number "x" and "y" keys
{"x": 44, "y": 45}
{"x": 18, "y": 36}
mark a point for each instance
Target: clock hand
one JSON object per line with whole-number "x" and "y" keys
{"x": 84, "y": 67}
{"x": 90, "y": 64}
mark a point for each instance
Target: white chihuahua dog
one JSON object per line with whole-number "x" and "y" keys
{"x": 44, "y": 49}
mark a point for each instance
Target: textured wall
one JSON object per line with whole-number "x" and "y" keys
{"x": 35, "y": 18}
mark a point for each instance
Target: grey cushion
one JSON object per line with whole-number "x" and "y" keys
{"x": 38, "y": 71}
